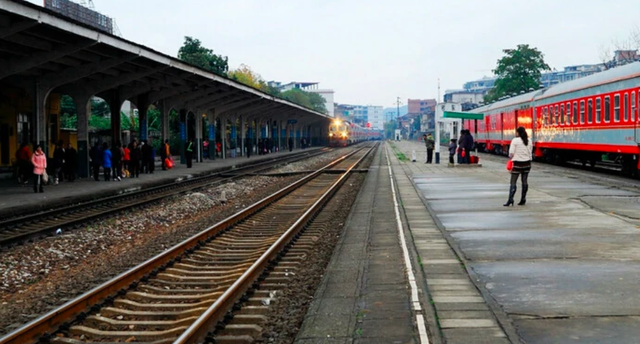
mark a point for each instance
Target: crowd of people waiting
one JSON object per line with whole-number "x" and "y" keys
{"x": 116, "y": 161}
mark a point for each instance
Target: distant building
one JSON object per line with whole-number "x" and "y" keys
{"x": 391, "y": 114}
{"x": 473, "y": 92}
{"x": 327, "y": 94}
{"x": 364, "y": 115}
{"x": 421, "y": 106}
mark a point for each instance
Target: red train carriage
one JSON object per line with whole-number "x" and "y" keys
{"x": 591, "y": 117}
{"x": 588, "y": 119}
{"x": 501, "y": 119}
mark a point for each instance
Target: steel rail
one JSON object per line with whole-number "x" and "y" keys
{"x": 216, "y": 312}
{"x": 53, "y": 320}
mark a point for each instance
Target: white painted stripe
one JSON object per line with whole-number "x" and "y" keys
{"x": 422, "y": 329}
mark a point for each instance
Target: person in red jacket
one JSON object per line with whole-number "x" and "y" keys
{"x": 23, "y": 155}
{"x": 39, "y": 161}
{"x": 126, "y": 158}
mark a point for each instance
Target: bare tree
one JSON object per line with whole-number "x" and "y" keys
{"x": 621, "y": 51}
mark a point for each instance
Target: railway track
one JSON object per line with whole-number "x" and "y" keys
{"x": 39, "y": 224}
{"x": 181, "y": 295}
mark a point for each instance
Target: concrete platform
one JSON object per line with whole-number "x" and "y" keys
{"x": 564, "y": 268}
{"x": 365, "y": 295}
{"x": 15, "y": 198}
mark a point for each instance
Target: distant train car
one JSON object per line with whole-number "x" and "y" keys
{"x": 588, "y": 119}
{"x": 343, "y": 133}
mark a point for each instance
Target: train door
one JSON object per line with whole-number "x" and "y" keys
{"x": 501, "y": 125}
{"x": 635, "y": 115}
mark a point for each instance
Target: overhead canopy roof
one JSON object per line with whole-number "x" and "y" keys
{"x": 462, "y": 115}
{"x": 41, "y": 47}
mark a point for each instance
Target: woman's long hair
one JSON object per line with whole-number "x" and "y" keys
{"x": 523, "y": 135}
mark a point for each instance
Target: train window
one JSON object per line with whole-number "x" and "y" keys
{"x": 598, "y": 110}
{"x": 548, "y": 114}
{"x": 575, "y": 112}
{"x": 616, "y": 108}
{"x": 561, "y": 114}
{"x": 625, "y": 110}
{"x": 633, "y": 106}
{"x": 590, "y": 111}
{"x": 568, "y": 117}
{"x": 545, "y": 117}
{"x": 582, "y": 112}
{"x": 556, "y": 113}
{"x": 607, "y": 109}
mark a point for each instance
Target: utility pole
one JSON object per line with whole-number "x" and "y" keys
{"x": 437, "y": 126}
{"x": 398, "y": 111}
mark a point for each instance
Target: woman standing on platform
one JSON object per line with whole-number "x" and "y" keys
{"x": 39, "y": 161}
{"x": 520, "y": 154}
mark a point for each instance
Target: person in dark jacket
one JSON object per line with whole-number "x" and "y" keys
{"x": 429, "y": 142}
{"x": 249, "y": 146}
{"x": 58, "y": 163}
{"x": 188, "y": 152}
{"x": 134, "y": 163}
{"x": 260, "y": 146}
{"x": 116, "y": 161}
{"x": 290, "y": 144}
{"x": 468, "y": 146}
{"x": 106, "y": 161}
{"x": 452, "y": 150}
{"x": 145, "y": 150}
{"x": 96, "y": 160}
{"x": 461, "y": 146}
{"x": 70, "y": 163}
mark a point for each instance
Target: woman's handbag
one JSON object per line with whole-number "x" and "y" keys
{"x": 45, "y": 177}
{"x": 509, "y": 165}
{"x": 169, "y": 163}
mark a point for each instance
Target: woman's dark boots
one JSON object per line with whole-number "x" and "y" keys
{"x": 523, "y": 199}
{"x": 512, "y": 192}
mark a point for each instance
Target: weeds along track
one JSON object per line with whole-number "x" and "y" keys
{"x": 181, "y": 295}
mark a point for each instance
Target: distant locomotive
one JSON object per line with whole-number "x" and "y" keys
{"x": 588, "y": 119}
{"x": 344, "y": 133}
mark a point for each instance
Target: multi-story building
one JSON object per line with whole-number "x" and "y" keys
{"x": 364, "y": 115}
{"x": 421, "y": 106}
{"x": 326, "y": 94}
{"x": 474, "y": 91}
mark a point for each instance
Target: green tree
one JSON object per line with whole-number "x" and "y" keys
{"x": 390, "y": 129}
{"x": 317, "y": 102}
{"x": 194, "y": 53}
{"x": 519, "y": 70}
{"x": 244, "y": 74}
{"x": 309, "y": 100}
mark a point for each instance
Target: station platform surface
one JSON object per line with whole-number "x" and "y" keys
{"x": 18, "y": 198}
{"x": 564, "y": 268}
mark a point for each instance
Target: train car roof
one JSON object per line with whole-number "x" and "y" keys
{"x": 627, "y": 71}
{"x": 519, "y": 99}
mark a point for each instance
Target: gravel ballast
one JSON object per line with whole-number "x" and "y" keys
{"x": 38, "y": 276}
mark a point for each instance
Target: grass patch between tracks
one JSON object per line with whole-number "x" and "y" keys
{"x": 399, "y": 154}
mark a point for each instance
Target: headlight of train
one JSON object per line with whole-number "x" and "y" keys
{"x": 330, "y": 134}
{"x": 344, "y": 134}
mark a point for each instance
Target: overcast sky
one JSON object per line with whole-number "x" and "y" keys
{"x": 371, "y": 51}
